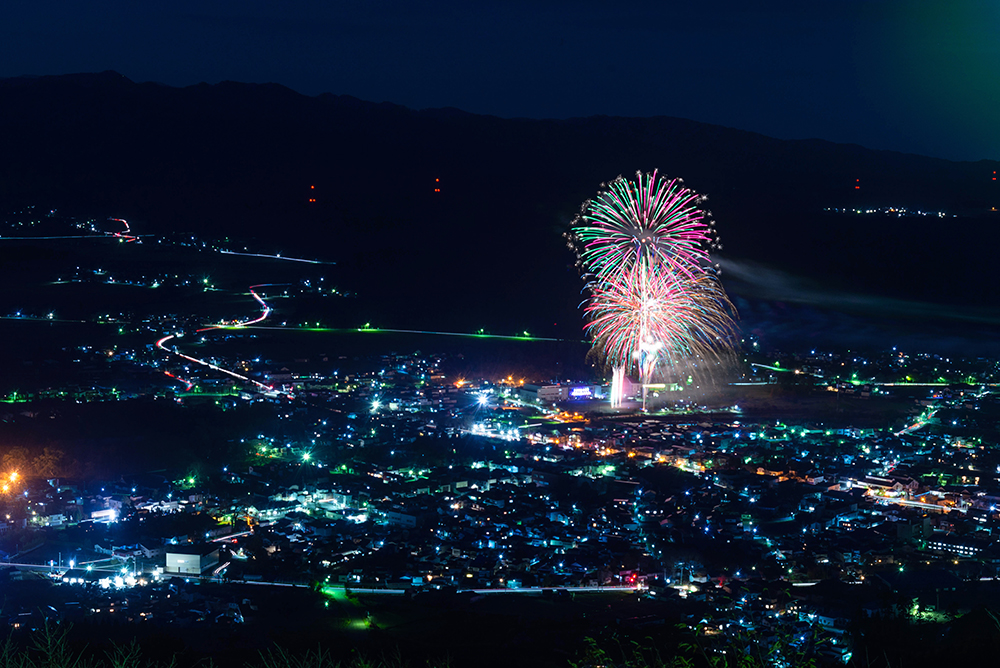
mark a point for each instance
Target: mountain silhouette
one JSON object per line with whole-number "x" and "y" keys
{"x": 445, "y": 218}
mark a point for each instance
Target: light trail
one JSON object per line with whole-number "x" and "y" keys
{"x": 265, "y": 312}
{"x": 886, "y": 500}
{"x": 522, "y": 590}
{"x": 474, "y": 336}
{"x": 411, "y": 331}
{"x": 858, "y": 382}
{"x": 903, "y": 384}
{"x": 77, "y": 236}
{"x": 229, "y": 537}
{"x": 213, "y": 367}
{"x": 186, "y": 382}
{"x": 265, "y": 309}
{"x": 127, "y": 234}
{"x": 275, "y": 257}
{"x": 52, "y": 568}
{"x": 41, "y": 319}
{"x": 540, "y": 590}
{"x": 919, "y": 423}
{"x": 797, "y": 372}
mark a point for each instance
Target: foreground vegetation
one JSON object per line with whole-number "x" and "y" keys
{"x": 49, "y": 647}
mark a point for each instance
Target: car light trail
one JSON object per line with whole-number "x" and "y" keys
{"x": 127, "y": 234}
{"x": 188, "y": 384}
{"x": 213, "y": 367}
{"x": 410, "y": 331}
{"x": 275, "y": 257}
{"x": 75, "y": 236}
{"x": 265, "y": 312}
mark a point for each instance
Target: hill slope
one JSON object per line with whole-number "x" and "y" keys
{"x": 239, "y": 159}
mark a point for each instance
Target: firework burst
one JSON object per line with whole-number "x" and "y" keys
{"x": 648, "y": 220}
{"x": 647, "y": 319}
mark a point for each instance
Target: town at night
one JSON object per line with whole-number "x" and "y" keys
{"x": 358, "y": 336}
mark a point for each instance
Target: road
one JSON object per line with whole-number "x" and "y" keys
{"x": 265, "y": 312}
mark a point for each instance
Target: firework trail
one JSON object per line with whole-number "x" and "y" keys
{"x": 648, "y": 220}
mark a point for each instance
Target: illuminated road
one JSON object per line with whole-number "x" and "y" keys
{"x": 188, "y": 384}
{"x": 265, "y": 312}
{"x": 418, "y": 331}
{"x": 127, "y": 234}
{"x": 522, "y": 590}
{"x": 214, "y": 367}
{"x": 75, "y": 236}
{"x": 920, "y": 422}
{"x": 797, "y": 372}
{"x": 275, "y": 257}
{"x": 886, "y": 500}
{"x": 40, "y": 319}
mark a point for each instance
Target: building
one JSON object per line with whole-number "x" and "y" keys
{"x": 191, "y": 559}
{"x": 550, "y": 394}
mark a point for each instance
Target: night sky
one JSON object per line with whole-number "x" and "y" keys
{"x": 904, "y": 75}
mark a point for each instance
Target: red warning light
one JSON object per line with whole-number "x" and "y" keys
{"x": 312, "y": 199}
{"x": 994, "y": 175}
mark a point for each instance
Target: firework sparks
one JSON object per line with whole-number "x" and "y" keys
{"x": 648, "y": 317}
{"x": 647, "y": 220}
{"x": 656, "y": 306}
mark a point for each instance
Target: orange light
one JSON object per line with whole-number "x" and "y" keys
{"x": 439, "y": 180}
{"x": 312, "y": 187}
{"x": 437, "y": 190}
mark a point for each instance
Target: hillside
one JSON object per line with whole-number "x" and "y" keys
{"x": 239, "y": 159}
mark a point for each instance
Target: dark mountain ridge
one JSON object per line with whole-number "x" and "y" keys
{"x": 236, "y": 159}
